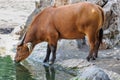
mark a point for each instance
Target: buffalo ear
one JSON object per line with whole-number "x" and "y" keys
{"x": 29, "y": 45}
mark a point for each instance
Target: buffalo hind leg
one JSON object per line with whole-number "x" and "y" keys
{"x": 91, "y": 39}
{"x": 92, "y": 48}
{"x": 95, "y": 55}
{"x": 48, "y": 54}
{"x": 98, "y": 41}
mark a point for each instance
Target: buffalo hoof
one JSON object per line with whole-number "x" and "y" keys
{"x": 93, "y": 58}
{"x": 88, "y": 58}
{"x": 45, "y": 61}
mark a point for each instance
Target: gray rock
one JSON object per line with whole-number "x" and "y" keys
{"x": 75, "y": 63}
{"x": 92, "y": 73}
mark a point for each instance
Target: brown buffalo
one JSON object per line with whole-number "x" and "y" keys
{"x": 74, "y": 21}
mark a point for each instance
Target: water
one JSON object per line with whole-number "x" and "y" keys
{"x": 7, "y": 71}
{"x": 28, "y": 71}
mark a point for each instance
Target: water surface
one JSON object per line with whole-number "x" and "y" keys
{"x": 27, "y": 71}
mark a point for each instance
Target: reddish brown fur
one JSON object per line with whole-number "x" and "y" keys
{"x": 66, "y": 22}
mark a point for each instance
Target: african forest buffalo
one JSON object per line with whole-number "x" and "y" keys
{"x": 74, "y": 21}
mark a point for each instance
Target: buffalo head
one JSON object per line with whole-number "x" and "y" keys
{"x": 23, "y": 51}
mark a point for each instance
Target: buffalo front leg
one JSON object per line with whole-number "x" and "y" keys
{"x": 48, "y": 54}
{"x": 53, "y": 49}
{"x": 81, "y": 42}
{"x": 53, "y": 38}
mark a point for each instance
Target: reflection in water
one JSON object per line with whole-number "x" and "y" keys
{"x": 39, "y": 72}
{"x": 22, "y": 73}
{"x": 50, "y": 72}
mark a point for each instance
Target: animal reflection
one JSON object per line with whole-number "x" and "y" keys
{"x": 50, "y": 72}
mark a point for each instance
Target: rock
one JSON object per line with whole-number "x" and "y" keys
{"x": 60, "y": 2}
{"x": 85, "y": 69}
{"x": 18, "y": 30}
{"x": 74, "y": 63}
{"x": 113, "y": 75}
{"x": 92, "y": 73}
{"x": 111, "y": 32}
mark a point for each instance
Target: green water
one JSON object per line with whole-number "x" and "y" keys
{"x": 11, "y": 71}
{"x": 7, "y": 70}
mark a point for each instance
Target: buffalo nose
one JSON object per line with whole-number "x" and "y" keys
{"x": 16, "y": 61}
